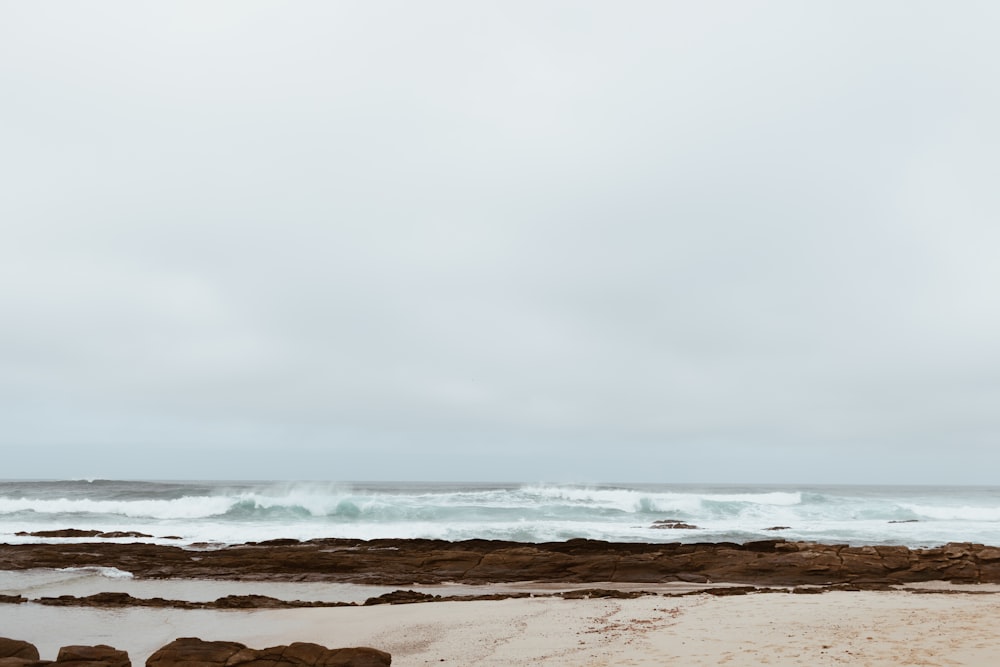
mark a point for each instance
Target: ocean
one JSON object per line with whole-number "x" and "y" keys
{"x": 180, "y": 512}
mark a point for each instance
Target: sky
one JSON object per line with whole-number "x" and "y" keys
{"x": 522, "y": 240}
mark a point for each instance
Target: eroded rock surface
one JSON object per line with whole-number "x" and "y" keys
{"x": 15, "y": 648}
{"x": 193, "y": 652}
{"x": 92, "y": 656}
{"x": 17, "y": 653}
{"x": 405, "y": 562}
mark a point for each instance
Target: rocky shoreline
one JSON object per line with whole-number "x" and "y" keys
{"x": 191, "y": 651}
{"x": 401, "y": 562}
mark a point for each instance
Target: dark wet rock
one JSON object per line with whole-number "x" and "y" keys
{"x": 778, "y": 528}
{"x": 726, "y": 591}
{"x": 12, "y": 599}
{"x": 120, "y": 533}
{"x": 587, "y": 593}
{"x": 421, "y": 562}
{"x": 193, "y": 652}
{"x": 672, "y": 524}
{"x": 62, "y": 532}
{"x": 227, "y": 602}
{"x": 400, "y": 597}
{"x": 111, "y": 600}
{"x": 103, "y": 600}
{"x": 253, "y": 602}
{"x": 905, "y": 521}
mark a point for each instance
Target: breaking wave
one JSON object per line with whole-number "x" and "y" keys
{"x": 240, "y": 512}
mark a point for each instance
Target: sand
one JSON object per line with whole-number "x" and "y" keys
{"x": 835, "y": 628}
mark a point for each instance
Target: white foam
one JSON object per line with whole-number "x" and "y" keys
{"x": 188, "y": 507}
{"x": 107, "y": 572}
{"x": 957, "y": 513}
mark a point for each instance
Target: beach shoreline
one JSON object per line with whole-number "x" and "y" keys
{"x": 838, "y": 627}
{"x": 664, "y": 602}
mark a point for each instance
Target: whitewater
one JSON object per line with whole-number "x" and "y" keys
{"x": 207, "y": 513}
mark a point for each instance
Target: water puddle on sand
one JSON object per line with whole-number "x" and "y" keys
{"x": 82, "y": 582}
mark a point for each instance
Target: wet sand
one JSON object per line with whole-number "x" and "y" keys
{"x": 863, "y": 628}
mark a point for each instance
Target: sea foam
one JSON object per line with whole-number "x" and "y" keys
{"x": 228, "y": 512}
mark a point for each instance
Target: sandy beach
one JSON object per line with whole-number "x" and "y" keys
{"x": 901, "y": 627}
{"x": 772, "y": 602}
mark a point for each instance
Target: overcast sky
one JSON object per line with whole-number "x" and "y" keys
{"x": 528, "y": 241}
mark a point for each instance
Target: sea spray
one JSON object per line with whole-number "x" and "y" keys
{"x": 236, "y": 512}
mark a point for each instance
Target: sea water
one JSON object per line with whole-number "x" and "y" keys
{"x": 198, "y": 513}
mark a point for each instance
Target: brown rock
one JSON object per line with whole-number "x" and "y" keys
{"x": 894, "y": 558}
{"x": 400, "y": 597}
{"x": 726, "y": 591}
{"x": 988, "y": 554}
{"x": 406, "y": 562}
{"x": 15, "y": 648}
{"x": 251, "y": 602}
{"x": 588, "y": 593}
{"x": 863, "y": 561}
{"x": 301, "y": 654}
{"x": 672, "y": 524}
{"x": 62, "y": 532}
{"x": 92, "y": 656}
{"x": 193, "y": 652}
{"x": 116, "y": 600}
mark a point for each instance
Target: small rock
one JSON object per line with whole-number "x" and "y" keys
{"x": 672, "y": 524}
{"x": 400, "y": 597}
{"x": 62, "y": 532}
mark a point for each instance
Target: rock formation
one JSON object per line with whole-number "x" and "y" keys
{"x": 192, "y": 652}
{"x": 17, "y": 653}
{"x": 405, "y": 562}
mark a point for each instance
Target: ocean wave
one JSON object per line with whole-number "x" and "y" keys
{"x": 237, "y": 512}
{"x": 957, "y": 513}
{"x": 106, "y": 572}
{"x": 189, "y": 507}
{"x": 341, "y": 504}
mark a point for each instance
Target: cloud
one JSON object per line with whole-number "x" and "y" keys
{"x": 509, "y": 240}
